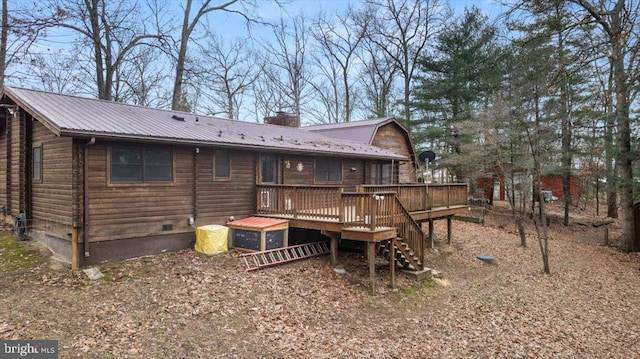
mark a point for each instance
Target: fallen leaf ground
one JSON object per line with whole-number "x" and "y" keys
{"x": 186, "y": 305}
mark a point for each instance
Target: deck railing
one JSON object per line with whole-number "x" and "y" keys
{"x": 313, "y": 202}
{"x": 409, "y": 231}
{"x": 367, "y": 210}
{"x": 422, "y": 197}
{"x": 332, "y": 204}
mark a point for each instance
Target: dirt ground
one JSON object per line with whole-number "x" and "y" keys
{"x": 187, "y": 305}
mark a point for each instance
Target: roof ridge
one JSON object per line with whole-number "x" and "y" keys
{"x": 359, "y": 123}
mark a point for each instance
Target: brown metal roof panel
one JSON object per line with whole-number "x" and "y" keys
{"x": 363, "y": 134}
{"x": 370, "y": 122}
{"x": 76, "y": 116}
{"x": 359, "y": 131}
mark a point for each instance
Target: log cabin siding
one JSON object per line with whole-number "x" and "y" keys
{"x": 217, "y": 200}
{"x": 292, "y": 176}
{"x": 78, "y": 184}
{"x": 52, "y": 197}
{"x": 16, "y": 178}
{"x": 4, "y": 153}
{"x": 138, "y": 210}
{"x": 391, "y": 138}
{"x": 353, "y": 173}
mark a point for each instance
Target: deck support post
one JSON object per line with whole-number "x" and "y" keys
{"x": 449, "y": 229}
{"x": 333, "y": 246}
{"x": 430, "y": 242}
{"x": 392, "y": 262}
{"x": 74, "y": 248}
{"x": 334, "y": 250}
{"x": 372, "y": 266}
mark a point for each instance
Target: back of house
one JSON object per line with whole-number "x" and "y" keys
{"x": 122, "y": 181}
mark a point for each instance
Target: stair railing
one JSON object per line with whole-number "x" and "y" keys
{"x": 410, "y": 232}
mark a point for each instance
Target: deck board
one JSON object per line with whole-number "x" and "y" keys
{"x": 437, "y": 213}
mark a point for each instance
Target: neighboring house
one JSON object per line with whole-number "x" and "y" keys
{"x": 387, "y": 133}
{"x": 102, "y": 181}
{"x": 553, "y": 182}
{"x": 495, "y": 182}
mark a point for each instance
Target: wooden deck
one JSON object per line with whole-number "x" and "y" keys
{"x": 367, "y": 214}
{"x": 371, "y": 214}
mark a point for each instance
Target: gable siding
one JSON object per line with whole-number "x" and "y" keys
{"x": 137, "y": 210}
{"x": 217, "y": 200}
{"x": 391, "y": 138}
{"x": 52, "y": 198}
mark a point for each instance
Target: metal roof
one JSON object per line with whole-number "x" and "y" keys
{"x": 357, "y": 131}
{"x": 360, "y": 131}
{"x": 85, "y": 117}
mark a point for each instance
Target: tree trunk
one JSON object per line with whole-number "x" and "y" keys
{"x": 535, "y": 146}
{"x": 521, "y": 232}
{"x": 543, "y": 239}
{"x": 566, "y": 132}
{"x": 597, "y": 196}
{"x": 94, "y": 20}
{"x": 347, "y": 96}
{"x": 624, "y": 159}
{"x": 610, "y": 168}
{"x": 176, "y": 101}
{"x": 3, "y": 42}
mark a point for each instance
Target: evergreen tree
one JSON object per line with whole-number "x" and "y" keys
{"x": 457, "y": 80}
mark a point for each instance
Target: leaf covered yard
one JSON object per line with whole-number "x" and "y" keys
{"x": 185, "y": 304}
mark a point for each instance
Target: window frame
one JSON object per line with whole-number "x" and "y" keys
{"x": 275, "y": 168}
{"x": 330, "y": 165}
{"x": 214, "y": 168}
{"x": 143, "y": 181}
{"x": 36, "y": 164}
{"x": 377, "y": 172}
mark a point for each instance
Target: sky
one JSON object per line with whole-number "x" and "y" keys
{"x": 310, "y": 8}
{"x": 232, "y": 26}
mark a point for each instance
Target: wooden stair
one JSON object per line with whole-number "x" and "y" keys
{"x": 410, "y": 239}
{"x": 404, "y": 256}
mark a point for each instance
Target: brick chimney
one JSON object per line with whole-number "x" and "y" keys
{"x": 283, "y": 119}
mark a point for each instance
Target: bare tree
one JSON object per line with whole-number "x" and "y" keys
{"x": 265, "y": 99}
{"x": 286, "y": 66}
{"x": 142, "y": 80}
{"x": 229, "y": 73}
{"x": 377, "y": 77}
{"x": 190, "y": 21}
{"x": 21, "y": 28}
{"x": 502, "y": 151}
{"x": 111, "y": 30}
{"x": 55, "y": 72}
{"x": 338, "y": 40}
{"x": 402, "y": 30}
{"x": 4, "y": 38}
